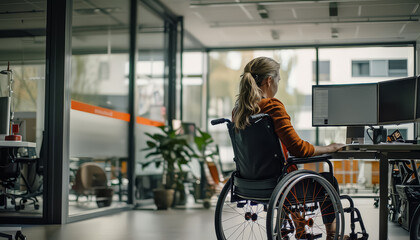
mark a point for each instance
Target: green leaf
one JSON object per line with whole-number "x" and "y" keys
{"x": 204, "y": 135}
{"x": 152, "y": 154}
{"x": 151, "y": 144}
{"x": 157, "y": 164}
{"x": 182, "y": 161}
{"x": 144, "y": 165}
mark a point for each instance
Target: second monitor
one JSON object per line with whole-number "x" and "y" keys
{"x": 397, "y": 101}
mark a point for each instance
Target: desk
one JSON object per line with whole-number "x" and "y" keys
{"x": 16, "y": 144}
{"x": 28, "y": 149}
{"x": 382, "y": 152}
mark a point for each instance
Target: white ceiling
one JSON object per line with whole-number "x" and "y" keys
{"x": 236, "y": 23}
{"x": 101, "y": 24}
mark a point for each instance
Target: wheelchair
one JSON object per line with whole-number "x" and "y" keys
{"x": 262, "y": 200}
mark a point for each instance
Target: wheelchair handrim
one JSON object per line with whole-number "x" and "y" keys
{"x": 290, "y": 183}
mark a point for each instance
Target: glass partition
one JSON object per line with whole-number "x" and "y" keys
{"x": 151, "y": 92}
{"x": 99, "y": 115}
{"x": 22, "y": 78}
{"x": 193, "y": 86}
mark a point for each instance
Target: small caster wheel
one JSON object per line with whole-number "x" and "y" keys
{"x": 206, "y": 204}
{"x": 17, "y": 207}
{"x": 20, "y": 236}
{"x": 22, "y": 206}
{"x": 36, "y": 206}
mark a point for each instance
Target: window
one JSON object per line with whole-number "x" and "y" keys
{"x": 324, "y": 70}
{"x": 397, "y": 68}
{"x": 379, "y": 68}
{"x": 360, "y": 68}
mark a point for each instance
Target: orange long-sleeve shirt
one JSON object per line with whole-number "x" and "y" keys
{"x": 284, "y": 129}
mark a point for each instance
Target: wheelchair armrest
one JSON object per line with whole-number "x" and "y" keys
{"x": 320, "y": 158}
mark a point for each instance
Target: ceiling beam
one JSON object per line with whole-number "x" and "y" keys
{"x": 363, "y": 20}
{"x": 265, "y": 2}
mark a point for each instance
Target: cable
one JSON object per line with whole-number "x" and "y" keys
{"x": 367, "y": 132}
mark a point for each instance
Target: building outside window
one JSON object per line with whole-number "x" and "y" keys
{"x": 379, "y": 68}
{"x": 323, "y": 70}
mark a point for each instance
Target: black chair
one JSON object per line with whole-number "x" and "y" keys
{"x": 262, "y": 200}
{"x": 11, "y": 163}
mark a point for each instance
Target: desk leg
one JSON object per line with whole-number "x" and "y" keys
{"x": 383, "y": 196}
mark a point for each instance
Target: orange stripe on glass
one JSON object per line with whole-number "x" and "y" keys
{"x": 146, "y": 121}
{"x": 84, "y": 107}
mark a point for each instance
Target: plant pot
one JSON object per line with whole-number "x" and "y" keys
{"x": 163, "y": 198}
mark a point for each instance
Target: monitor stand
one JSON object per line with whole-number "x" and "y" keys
{"x": 355, "y": 134}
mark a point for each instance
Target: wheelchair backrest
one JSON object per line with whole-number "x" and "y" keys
{"x": 257, "y": 149}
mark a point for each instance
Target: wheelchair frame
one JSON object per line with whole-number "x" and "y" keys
{"x": 279, "y": 222}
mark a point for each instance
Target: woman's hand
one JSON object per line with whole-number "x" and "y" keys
{"x": 333, "y": 147}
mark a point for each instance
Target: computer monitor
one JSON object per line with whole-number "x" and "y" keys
{"x": 4, "y": 115}
{"x": 344, "y": 105}
{"x": 396, "y": 101}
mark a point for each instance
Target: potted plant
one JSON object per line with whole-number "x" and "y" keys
{"x": 205, "y": 155}
{"x": 172, "y": 152}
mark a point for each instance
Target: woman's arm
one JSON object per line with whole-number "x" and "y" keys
{"x": 334, "y": 147}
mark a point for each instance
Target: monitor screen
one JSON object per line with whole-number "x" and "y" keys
{"x": 396, "y": 100}
{"x": 4, "y": 115}
{"x": 344, "y": 105}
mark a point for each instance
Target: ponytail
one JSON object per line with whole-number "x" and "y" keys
{"x": 247, "y": 101}
{"x": 250, "y": 94}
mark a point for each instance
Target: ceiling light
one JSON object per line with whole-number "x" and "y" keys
{"x": 262, "y": 11}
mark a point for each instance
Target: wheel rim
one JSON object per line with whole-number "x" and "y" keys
{"x": 310, "y": 215}
{"x": 240, "y": 220}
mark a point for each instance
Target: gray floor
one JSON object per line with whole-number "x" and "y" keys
{"x": 190, "y": 223}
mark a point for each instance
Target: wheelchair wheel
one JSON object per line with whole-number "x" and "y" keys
{"x": 415, "y": 225}
{"x": 307, "y": 201}
{"x": 243, "y": 219}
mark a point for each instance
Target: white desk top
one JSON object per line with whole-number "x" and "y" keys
{"x": 16, "y": 144}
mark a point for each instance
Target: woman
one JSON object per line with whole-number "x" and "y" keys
{"x": 257, "y": 88}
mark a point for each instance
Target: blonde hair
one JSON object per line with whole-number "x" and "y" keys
{"x": 250, "y": 94}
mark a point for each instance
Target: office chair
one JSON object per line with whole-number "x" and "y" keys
{"x": 90, "y": 181}
{"x": 10, "y": 173}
